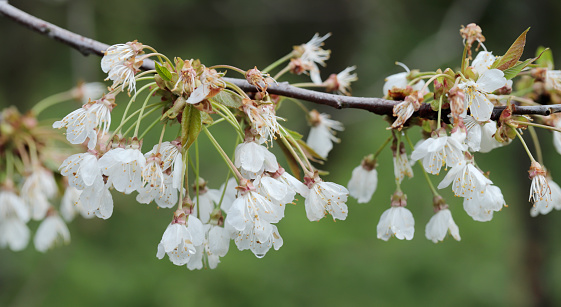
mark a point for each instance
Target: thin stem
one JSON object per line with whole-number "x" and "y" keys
{"x": 142, "y": 111}
{"x": 308, "y": 84}
{"x": 183, "y": 179}
{"x": 51, "y": 101}
{"x": 278, "y": 62}
{"x": 237, "y": 89}
{"x": 536, "y": 125}
{"x": 143, "y": 117}
{"x": 463, "y": 69}
{"x": 197, "y": 176}
{"x": 523, "y": 143}
{"x": 536, "y": 140}
{"x": 300, "y": 104}
{"x": 224, "y": 190}
{"x": 282, "y": 72}
{"x": 229, "y": 67}
{"x": 431, "y": 186}
{"x": 429, "y": 81}
{"x": 223, "y": 154}
{"x": 123, "y": 122}
{"x": 439, "y": 110}
{"x": 147, "y": 72}
{"x": 379, "y": 151}
{"x": 286, "y": 136}
{"x": 130, "y": 103}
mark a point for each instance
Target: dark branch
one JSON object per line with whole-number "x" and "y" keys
{"x": 378, "y": 106}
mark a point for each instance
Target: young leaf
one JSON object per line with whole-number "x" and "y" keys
{"x": 228, "y": 98}
{"x": 516, "y": 69}
{"x": 163, "y": 72}
{"x": 513, "y": 53}
{"x": 191, "y": 125}
{"x": 545, "y": 57}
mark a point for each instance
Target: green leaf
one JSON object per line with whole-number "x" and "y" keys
{"x": 297, "y": 136}
{"x": 228, "y": 98}
{"x": 516, "y": 69}
{"x": 163, "y": 72}
{"x": 191, "y": 125}
{"x": 513, "y": 53}
{"x": 545, "y": 57}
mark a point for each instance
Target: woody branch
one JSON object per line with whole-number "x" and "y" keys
{"x": 377, "y": 106}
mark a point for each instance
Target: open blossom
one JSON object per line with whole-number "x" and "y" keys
{"x": 312, "y": 54}
{"x": 83, "y": 123}
{"x": 215, "y": 245}
{"x": 37, "y": 189}
{"x": 170, "y": 160}
{"x": 162, "y": 192}
{"x": 440, "y": 224}
{"x": 70, "y": 204}
{"x": 480, "y": 136}
{"x": 118, "y": 54}
{"x": 51, "y": 231}
{"x": 480, "y": 206}
{"x": 253, "y": 159}
{"x": 121, "y": 64}
{"x": 400, "y": 81}
{"x": 123, "y": 167}
{"x": 341, "y": 82}
{"x": 401, "y": 165}
{"x": 14, "y": 214}
{"x": 440, "y": 149}
{"x": 405, "y": 109}
{"x": 539, "y": 190}
{"x": 322, "y": 134}
{"x": 82, "y": 170}
{"x": 325, "y": 197}
{"x": 180, "y": 238}
{"x": 476, "y": 93}
{"x": 544, "y": 206}
{"x": 89, "y": 91}
{"x": 364, "y": 180}
{"x": 248, "y": 239}
{"x": 466, "y": 179}
{"x": 483, "y": 62}
{"x": 263, "y": 120}
{"x": 397, "y": 220}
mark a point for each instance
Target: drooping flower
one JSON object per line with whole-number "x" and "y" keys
{"x": 119, "y": 53}
{"x": 180, "y": 238}
{"x": 123, "y": 167}
{"x": 215, "y": 245}
{"x": 121, "y": 64}
{"x": 13, "y": 234}
{"x": 405, "y": 109}
{"x": 162, "y": 192}
{"x": 207, "y": 198}
{"x": 253, "y": 159}
{"x": 82, "y": 170}
{"x": 440, "y": 149}
{"x": 341, "y": 82}
{"x": 539, "y": 190}
{"x": 37, "y": 189}
{"x": 82, "y": 124}
{"x": 325, "y": 197}
{"x": 466, "y": 179}
{"x": 480, "y": 136}
{"x": 51, "y": 231}
{"x": 401, "y": 165}
{"x": 322, "y": 134}
{"x": 264, "y": 124}
{"x": 440, "y": 224}
{"x": 89, "y": 91}
{"x": 397, "y": 220}
{"x": 70, "y": 204}
{"x": 364, "y": 180}
{"x": 400, "y": 81}
{"x": 480, "y": 206}
{"x": 211, "y": 84}
{"x": 544, "y": 206}
{"x": 249, "y": 239}
{"x": 171, "y": 160}
{"x": 312, "y": 54}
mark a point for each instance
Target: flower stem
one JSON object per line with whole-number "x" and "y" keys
{"x": 282, "y": 72}
{"x": 523, "y": 144}
{"x": 50, "y": 101}
{"x": 286, "y": 136}
{"x": 130, "y": 103}
{"x": 197, "y": 177}
{"x": 431, "y": 186}
{"x": 536, "y": 140}
{"x": 142, "y": 111}
{"x": 536, "y": 125}
{"x": 229, "y": 67}
{"x": 184, "y": 178}
{"x": 379, "y": 151}
{"x": 463, "y": 69}
{"x": 439, "y": 110}
{"x": 223, "y": 154}
{"x": 278, "y": 62}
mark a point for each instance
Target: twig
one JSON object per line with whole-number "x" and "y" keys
{"x": 378, "y": 106}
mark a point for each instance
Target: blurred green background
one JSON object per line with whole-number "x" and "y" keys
{"x": 511, "y": 261}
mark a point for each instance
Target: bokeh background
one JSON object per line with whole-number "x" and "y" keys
{"x": 513, "y": 260}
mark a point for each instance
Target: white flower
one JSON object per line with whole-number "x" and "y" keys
{"x": 162, "y": 192}
{"x": 553, "y": 80}
{"x": 121, "y": 65}
{"x": 398, "y": 222}
{"x": 482, "y": 205}
{"x": 249, "y": 239}
{"x": 476, "y": 93}
{"x": 229, "y": 194}
{"x": 325, "y": 197}
{"x": 14, "y": 234}
{"x": 364, "y": 181}
{"x": 440, "y": 149}
{"x": 82, "y": 170}
{"x": 483, "y": 62}
{"x": 116, "y": 55}
{"x": 70, "y": 204}
{"x": 37, "y": 189}
{"x": 466, "y": 179}
{"x": 89, "y": 91}
{"x": 263, "y": 120}
{"x": 321, "y": 135}
{"x": 341, "y": 82}
{"x": 169, "y": 157}
{"x": 400, "y": 81}
{"x": 292, "y": 183}
{"x": 440, "y": 223}
{"x": 12, "y": 206}
{"x": 539, "y": 190}
{"x": 480, "y": 136}
{"x": 206, "y": 200}
{"x": 96, "y": 199}
{"x": 312, "y": 53}
{"x": 401, "y": 165}
{"x": 51, "y": 231}
{"x": 277, "y": 191}
{"x": 215, "y": 245}
{"x": 82, "y": 123}
{"x": 179, "y": 240}
{"x": 254, "y": 211}
{"x": 544, "y": 206}
{"x": 253, "y": 159}
{"x": 123, "y": 168}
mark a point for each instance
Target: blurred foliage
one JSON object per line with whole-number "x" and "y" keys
{"x": 113, "y": 263}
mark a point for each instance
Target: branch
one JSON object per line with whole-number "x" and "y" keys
{"x": 378, "y": 106}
